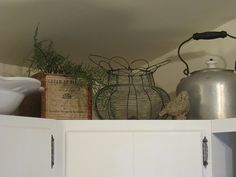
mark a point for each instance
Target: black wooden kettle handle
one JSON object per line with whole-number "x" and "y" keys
{"x": 205, "y": 36}
{"x": 210, "y": 35}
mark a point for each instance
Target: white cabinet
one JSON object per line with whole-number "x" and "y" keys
{"x": 169, "y": 154}
{"x": 224, "y": 148}
{"x": 25, "y": 147}
{"x": 116, "y": 148}
{"x": 96, "y": 154}
{"x": 135, "y": 148}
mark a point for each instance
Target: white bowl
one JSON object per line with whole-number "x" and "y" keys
{"x": 13, "y": 90}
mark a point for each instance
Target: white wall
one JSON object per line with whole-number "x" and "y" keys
{"x": 196, "y": 54}
{"x": 12, "y": 70}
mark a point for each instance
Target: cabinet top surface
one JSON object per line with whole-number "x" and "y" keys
{"x": 216, "y": 126}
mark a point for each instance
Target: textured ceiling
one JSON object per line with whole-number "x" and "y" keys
{"x": 129, "y": 28}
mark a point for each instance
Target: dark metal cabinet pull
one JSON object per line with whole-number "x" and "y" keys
{"x": 205, "y": 151}
{"x": 52, "y": 150}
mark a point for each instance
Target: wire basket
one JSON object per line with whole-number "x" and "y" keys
{"x": 131, "y": 92}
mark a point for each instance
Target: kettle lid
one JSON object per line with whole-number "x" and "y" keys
{"x": 211, "y": 67}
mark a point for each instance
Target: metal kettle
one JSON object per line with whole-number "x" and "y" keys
{"x": 211, "y": 91}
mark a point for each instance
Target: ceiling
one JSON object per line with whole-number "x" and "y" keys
{"x": 129, "y": 28}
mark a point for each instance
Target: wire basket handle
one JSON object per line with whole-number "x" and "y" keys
{"x": 205, "y": 36}
{"x": 100, "y": 60}
{"x": 122, "y": 65}
{"x": 154, "y": 67}
{"x": 114, "y": 63}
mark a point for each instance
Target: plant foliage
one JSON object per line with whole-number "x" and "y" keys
{"x": 46, "y": 59}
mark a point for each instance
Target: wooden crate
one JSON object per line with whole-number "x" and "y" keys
{"x": 64, "y": 98}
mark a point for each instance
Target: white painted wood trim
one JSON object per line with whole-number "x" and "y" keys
{"x": 224, "y": 125}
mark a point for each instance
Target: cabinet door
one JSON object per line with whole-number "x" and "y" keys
{"x": 99, "y": 154}
{"x": 135, "y": 149}
{"x": 25, "y": 148}
{"x": 168, "y": 154}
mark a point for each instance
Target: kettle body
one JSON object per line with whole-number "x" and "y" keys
{"x": 212, "y": 93}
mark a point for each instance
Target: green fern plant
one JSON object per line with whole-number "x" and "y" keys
{"x": 47, "y": 60}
